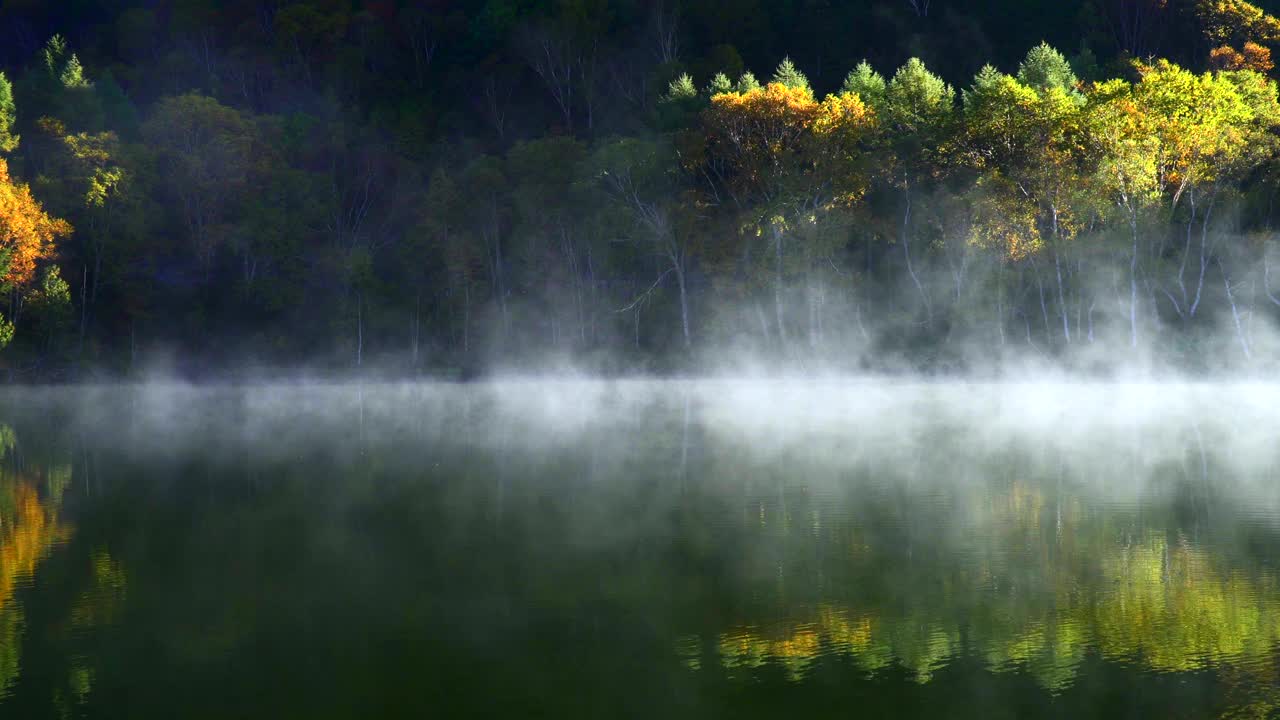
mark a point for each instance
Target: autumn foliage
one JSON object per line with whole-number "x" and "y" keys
{"x": 27, "y": 232}
{"x": 26, "y": 536}
{"x": 759, "y": 134}
{"x": 1254, "y": 57}
{"x": 768, "y": 138}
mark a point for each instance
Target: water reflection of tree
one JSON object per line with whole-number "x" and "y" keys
{"x": 1011, "y": 560}
{"x": 30, "y": 526}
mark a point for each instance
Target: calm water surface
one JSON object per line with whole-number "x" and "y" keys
{"x": 568, "y": 549}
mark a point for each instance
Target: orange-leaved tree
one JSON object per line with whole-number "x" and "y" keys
{"x": 27, "y": 233}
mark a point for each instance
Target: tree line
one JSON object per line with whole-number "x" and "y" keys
{"x": 429, "y": 188}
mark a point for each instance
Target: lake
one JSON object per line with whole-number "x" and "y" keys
{"x": 575, "y": 548}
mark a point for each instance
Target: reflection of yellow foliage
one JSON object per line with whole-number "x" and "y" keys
{"x": 1148, "y": 598}
{"x": 29, "y": 528}
{"x": 835, "y": 632}
{"x": 26, "y": 536}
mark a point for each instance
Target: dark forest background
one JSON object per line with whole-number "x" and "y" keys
{"x": 439, "y": 186}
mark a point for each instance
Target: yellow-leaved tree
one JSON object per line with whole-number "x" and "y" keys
{"x": 27, "y": 236}
{"x": 789, "y": 160}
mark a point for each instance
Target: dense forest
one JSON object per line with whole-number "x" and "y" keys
{"x": 445, "y": 186}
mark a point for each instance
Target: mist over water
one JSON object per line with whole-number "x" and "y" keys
{"x": 595, "y": 548}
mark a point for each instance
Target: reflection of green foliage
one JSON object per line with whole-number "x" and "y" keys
{"x": 98, "y": 605}
{"x": 1169, "y": 608}
{"x": 57, "y": 478}
{"x": 1045, "y": 581}
{"x": 81, "y": 682}
{"x": 11, "y": 622}
{"x": 8, "y": 440}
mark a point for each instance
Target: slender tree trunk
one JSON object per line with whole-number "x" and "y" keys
{"x": 1062, "y": 299}
{"x": 592, "y": 299}
{"x": 466, "y": 318}
{"x": 1079, "y": 273}
{"x": 1235, "y": 313}
{"x": 684, "y": 305}
{"x": 1044, "y": 308}
{"x": 1133, "y": 281}
{"x": 1253, "y": 306}
{"x": 906, "y": 251}
{"x": 359, "y": 329}
{"x": 499, "y": 277}
{"x": 1156, "y": 324}
{"x": 1000, "y": 302}
{"x": 1266, "y": 277}
{"x": 812, "y": 302}
{"x": 417, "y": 324}
{"x": 777, "y": 287}
{"x": 1204, "y": 254}
{"x": 575, "y": 278}
{"x": 820, "y": 302}
{"x": 1186, "y": 251}
{"x": 764, "y": 322}
{"x": 93, "y": 284}
{"x": 84, "y": 308}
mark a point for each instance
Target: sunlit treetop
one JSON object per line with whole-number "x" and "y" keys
{"x": 682, "y": 88}
{"x": 787, "y": 74}
{"x": 1029, "y": 144}
{"x": 1201, "y": 123}
{"x": 914, "y": 120}
{"x": 842, "y": 129}
{"x": 63, "y": 65}
{"x": 746, "y": 83}
{"x": 916, "y": 100}
{"x": 759, "y": 133}
{"x": 1045, "y": 68}
{"x": 1123, "y": 133}
{"x": 998, "y": 114}
{"x": 866, "y": 83}
{"x": 720, "y": 84}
